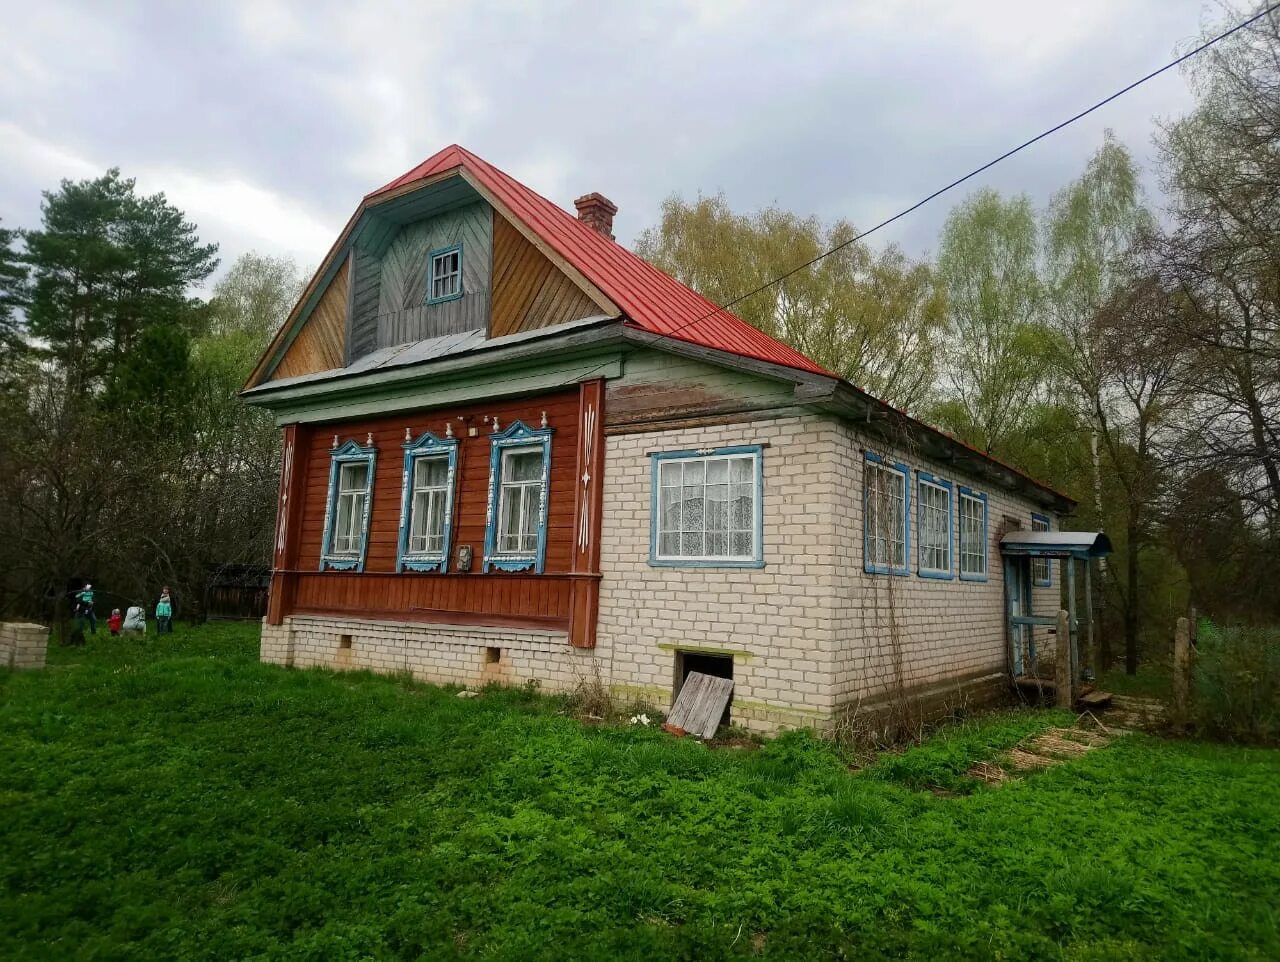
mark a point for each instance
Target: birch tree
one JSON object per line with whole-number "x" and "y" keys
{"x": 873, "y": 317}
{"x": 1222, "y": 168}
{"x": 995, "y": 348}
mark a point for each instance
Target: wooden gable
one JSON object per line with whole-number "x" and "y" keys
{"x": 320, "y": 344}
{"x": 377, "y": 274}
{"x": 529, "y": 291}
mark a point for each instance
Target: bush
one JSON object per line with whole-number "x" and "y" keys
{"x": 1236, "y": 682}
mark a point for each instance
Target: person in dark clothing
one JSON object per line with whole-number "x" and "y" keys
{"x": 84, "y": 608}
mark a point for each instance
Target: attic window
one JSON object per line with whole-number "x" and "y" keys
{"x": 444, "y": 279}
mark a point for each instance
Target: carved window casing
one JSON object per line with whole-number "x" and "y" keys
{"x": 349, "y": 504}
{"x": 428, "y": 487}
{"x": 519, "y": 478}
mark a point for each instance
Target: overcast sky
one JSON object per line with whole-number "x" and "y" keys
{"x": 267, "y": 121}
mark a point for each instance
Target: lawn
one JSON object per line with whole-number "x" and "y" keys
{"x": 174, "y": 799}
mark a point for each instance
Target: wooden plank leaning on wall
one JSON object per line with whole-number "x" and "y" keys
{"x": 585, "y": 562}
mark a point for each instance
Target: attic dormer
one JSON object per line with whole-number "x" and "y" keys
{"x": 421, "y": 270}
{"x": 426, "y": 261}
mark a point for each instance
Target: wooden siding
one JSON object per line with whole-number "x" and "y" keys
{"x": 529, "y": 292}
{"x": 403, "y": 312}
{"x": 366, "y": 287}
{"x": 658, "y": 386}
{"x": 321, "y": 344}
{"x": 523, "y": 600}
{"x": 496, "y": 597}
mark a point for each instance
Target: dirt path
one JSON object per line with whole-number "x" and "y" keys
{"x": 1051, "y": 747}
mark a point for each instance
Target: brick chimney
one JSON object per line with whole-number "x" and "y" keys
{"x": 597, "y": 210}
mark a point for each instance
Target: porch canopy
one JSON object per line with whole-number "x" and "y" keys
{"x": 1020, "y": 549}
{"x": 1082, "y": 545}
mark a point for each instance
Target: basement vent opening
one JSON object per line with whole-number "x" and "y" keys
{"x": 492, "y": 655}
{"x": 344, "y": 641}
{"x": 717, "y": 666}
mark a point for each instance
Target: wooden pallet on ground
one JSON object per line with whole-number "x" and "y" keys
{"x": 700, "y": 704}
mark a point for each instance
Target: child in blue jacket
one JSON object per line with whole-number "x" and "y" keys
{"x": 164, "y": 613}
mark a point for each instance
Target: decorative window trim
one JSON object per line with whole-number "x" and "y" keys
{"x": 756, "y": 451}
{"x": 963, "y": 493}
{"x": 431, "y": 274}
{"x": 349, "y": 453}
{"x": 937, "y": 574}
{"x": 518, "y": 435}
{"x": 1047, "y": 580}
{"x": 870, "y": 457}
{"x": 426, "y": 446}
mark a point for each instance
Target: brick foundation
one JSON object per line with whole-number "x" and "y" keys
{"x": 440, "y": 654}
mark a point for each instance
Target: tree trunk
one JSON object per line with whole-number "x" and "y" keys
{"x": 1104, "y": 642}
{"x": 1131, "y": 606}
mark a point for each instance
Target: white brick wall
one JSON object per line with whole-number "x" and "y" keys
{"x": 440, "y": 654}
{"x": 810, "y": 631}
{"x": 779, "y": 621}
{"x": 23, "y": 646}
{"x": 925, "y": 631}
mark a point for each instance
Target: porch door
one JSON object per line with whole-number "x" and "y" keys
{"x": 1017, "y": 589}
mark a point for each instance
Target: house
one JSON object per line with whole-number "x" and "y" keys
{"x": 514, "y": 451}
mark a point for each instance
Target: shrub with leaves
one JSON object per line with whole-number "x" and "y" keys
{"x": 1237, "y": 682}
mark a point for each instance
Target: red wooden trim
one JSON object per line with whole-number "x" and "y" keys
{"x": 587, "y": 508}
{"x": 289, "y": 503}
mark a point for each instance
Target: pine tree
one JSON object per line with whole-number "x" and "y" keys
{"x": 107, "y": 265}
{"x": 13, "y": 277}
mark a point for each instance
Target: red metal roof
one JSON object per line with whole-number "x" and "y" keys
{"x": 650, "y": 299}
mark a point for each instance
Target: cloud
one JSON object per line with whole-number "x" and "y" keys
{"x": 241, "y": 215}
{"x": 269, "y": 120}
{"x": 254, "y": 217}
{"x": 25, "y": 153}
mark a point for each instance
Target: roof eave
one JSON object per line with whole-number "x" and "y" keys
{"x": 897, "y": 426}
{"x": 579, "y": 340}
{"x": 838, "y": 396}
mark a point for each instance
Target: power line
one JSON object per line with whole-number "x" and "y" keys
{"x": 991, "y": 163}
{"x": 978, "y": 170}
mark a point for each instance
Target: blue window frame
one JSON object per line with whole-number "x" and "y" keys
{"x": 516, "y": 520}
{"x": 444, "y": 274}
{"x": 886, "y": 513}
{"x": 426, "y": 503}
{"x": 972, "y": 535}
{"x": 935, "y": 523}
{"x": 350, "y": 502}
{"x": 706, "y": 508}
{"x": 1041, "y": 568}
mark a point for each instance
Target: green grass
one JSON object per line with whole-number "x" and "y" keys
{"x": 1153, "y": 680}
{"x": 174, "y": 799}
{"x": 942, "y": 761}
